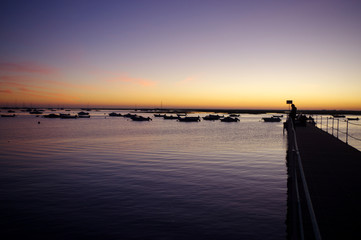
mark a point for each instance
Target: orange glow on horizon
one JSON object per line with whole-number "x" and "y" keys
{"x": 38, "y": 86}
{"x": 9, "y": 98}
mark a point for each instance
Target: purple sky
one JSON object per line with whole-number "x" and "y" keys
{"x": 248, "y": 53}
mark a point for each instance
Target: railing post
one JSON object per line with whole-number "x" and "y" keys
{"x": 333, "y": 120}
{"x": 327, "y": 124}
{"x": 338, "y": 124}
{"x": 347, "y": 132}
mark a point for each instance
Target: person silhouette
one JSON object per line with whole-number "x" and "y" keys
{"x": 293, "y": 113}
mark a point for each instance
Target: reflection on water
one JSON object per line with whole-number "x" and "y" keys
{"x": 112, "y": 178}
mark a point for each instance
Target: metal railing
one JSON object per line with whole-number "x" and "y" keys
{"x": 337, "y": 129}
{"x": 295, "y": 158}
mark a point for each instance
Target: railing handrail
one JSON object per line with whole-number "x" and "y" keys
{"x": 347, "y": 134}
{"x": 315, "y": 227}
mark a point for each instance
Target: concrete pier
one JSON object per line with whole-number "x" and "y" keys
{"x": 332, "y": 170}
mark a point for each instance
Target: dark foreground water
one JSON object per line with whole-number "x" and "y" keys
{"x": 112, "y": 178}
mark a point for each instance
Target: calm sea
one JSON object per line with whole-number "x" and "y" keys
{"x": 112, "y": 178}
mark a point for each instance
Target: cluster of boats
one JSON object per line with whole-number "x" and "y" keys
{"x": 52, "y": 115}
{"x": 210, "y": 117}
{"x": 179, "y": 117}
{"x": 343, "y": 116}
{"x": 67, "y": 115}
{"x": 9, "y": 115}
{"x": 134, "y": 117}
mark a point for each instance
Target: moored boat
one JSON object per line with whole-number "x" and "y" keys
{"x": 230, "y": 119}
{"x": 83, "y": 116}
{"x": 68, "y": 116}
{"x": 170, "y": 117}
{"x": 83, "y": 113}
{"x": 338, "y": 116}
{"x": 189, "y": 119}
{"x": 52, "y": 115}
{"x": 212, "y": 117}
{"x": 114, "y": 114}
{"x": 271, "y": 119}
{"x": 353, "y": 119}
{"x": 8, "y": 115}
{"x": 140, "y": 118}
{"x": 129, "y": 115}
{"x": 36, "y": 112}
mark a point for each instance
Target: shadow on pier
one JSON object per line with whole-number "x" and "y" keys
{"x": 324, "y": 186}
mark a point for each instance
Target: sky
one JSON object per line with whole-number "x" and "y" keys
{"x": 251, "y": 54}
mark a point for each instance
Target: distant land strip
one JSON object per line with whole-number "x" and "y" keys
{"x": 216, "y": 110}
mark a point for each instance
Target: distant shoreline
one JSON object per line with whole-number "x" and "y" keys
{"x": 216, "y": 110}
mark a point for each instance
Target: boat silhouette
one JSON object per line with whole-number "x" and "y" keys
{"x": 189, "y": 119}
{"x": 230, "y": 119}
{"x": 271, "y": 119}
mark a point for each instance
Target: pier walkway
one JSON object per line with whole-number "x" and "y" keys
{"x": 332, "y": 170}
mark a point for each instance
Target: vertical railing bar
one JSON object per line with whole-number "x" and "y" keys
{"x": 347, "y": 131}
{"x": 327, "y": 125}
{"x": 338, "y": 125}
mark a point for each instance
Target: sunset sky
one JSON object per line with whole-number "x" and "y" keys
{"x": 220, "y": 54}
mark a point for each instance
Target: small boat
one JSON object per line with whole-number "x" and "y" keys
{"x": 83, "y": 116}
{"x": 212, "y": 117}
{"x": 272, "y": 119}
{"x": 170, "y": 117}
{"x": 52, "y": 115}
{"x": 230, "y": 119}
{"x": 234, "y": 115}
{"x": 159, "y": 115}
{"x": 189, "y": 119}
{"x": 338, "y": 116}
{"x": 68, "y": 116}
{"x": 353, "y": 119}
{"x": 11, "y": 111}
{"x": 277, "y": 116}
{"x": 8, "y": 115}
{"x": 36, "y": 112}
{"x": 114, "y": 114}
{"x": 141, "y": 118}
{"x": 129, "y": 115}
{"x": 83, "y": 113}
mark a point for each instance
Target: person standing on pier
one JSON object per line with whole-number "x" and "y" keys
{"x": 293, "y": 113}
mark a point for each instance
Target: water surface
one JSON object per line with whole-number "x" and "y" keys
{"x": 112, "y": 178}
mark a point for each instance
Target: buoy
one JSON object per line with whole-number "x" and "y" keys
{"x": 38, "y": 122}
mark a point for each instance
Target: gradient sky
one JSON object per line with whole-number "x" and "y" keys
{"x": 226, "y": 54}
